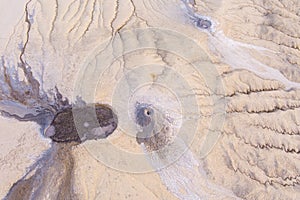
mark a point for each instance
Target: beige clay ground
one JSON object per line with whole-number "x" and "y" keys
{"x": 257, "y": 152}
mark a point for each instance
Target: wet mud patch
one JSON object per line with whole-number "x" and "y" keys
{"x": 78, "y": 124}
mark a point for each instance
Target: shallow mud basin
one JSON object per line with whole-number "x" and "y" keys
{"x": 173, "y": 99}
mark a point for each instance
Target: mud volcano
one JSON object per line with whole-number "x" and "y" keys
{"x": 155, "y": 132}
{"x": 51, "y": 176}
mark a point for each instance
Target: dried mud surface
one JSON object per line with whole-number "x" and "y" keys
{"x": 254, "y": 48}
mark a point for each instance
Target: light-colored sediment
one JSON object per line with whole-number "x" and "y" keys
{"x": 257, "y": 154}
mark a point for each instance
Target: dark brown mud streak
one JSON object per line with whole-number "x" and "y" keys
{"x": 52, "y": 176}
